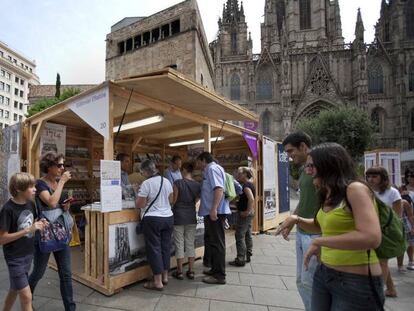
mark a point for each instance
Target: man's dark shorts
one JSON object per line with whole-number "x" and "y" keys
{"x": 19, "y": 271}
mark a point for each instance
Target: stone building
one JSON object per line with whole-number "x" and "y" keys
{"x": 48, "y": 91}
{"x": 174, "y": 38}
{"x": 17, "y": 74}
{"x": 304, "y": 66}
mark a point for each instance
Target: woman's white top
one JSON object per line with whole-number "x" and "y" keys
{"x": 149, "y": 189}
{"x": 389, "y": 196}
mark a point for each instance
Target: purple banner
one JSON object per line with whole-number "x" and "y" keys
{"x": 252, "y": 143}
{"x": 251, "y": 125}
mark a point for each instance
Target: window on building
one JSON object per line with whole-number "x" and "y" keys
{"x": 412, "y": 120}
{"x": 1, "y": 99}
{"x": 165, "y": 31}
{"x": 1, "y": 86}
{"x": 6, "y": 125}
{"x": 30, "y": 69}
{"x": 121, "y": 47}
{"x": 20, "y": 118}
{"x": 16, "y": 79}
{"x": 26, "y": 67}
{"x": 267, "y": 123}
{"x": 1, "y": 113}
{"x": 375, "y": 78}
{"x": 15, "y": 61}
{"x": 128, "y": 44}
{"x": 387, "y": 32}
{"x": 137, "y": 42}
{"x": 378, "y": 119}
{"x": 305, "y": 14}
{"x": 1, "y": 54}
{"x": 264, "y": 85}
{"x": 21, "y": 106}
{"x": 7, "y": 101}
{"x": 7, "y": 89}
{"x": 235, "y": 87}
{"x": 1, "y": 125}
{"x": 234, "y": 42}
{"x": 21, "y": 94}
{"x": 22, "y": 82}
{"x": 147, "y": 38}
{"x": 411, "y": 77}
{"x": 155, "y": 34}
{"x": 6, "y": 114}
{"x": 8, "y": 75}
{"x": 175, "y": 27}
{"x": 2, "y": 73}
{"x": 409, "y": 20}
{"x": 15, "y": 117}
{"x": 16, "y": 104}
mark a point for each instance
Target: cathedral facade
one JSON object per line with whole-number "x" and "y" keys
{"x": 305, "y": 66}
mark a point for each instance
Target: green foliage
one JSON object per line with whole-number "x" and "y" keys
{"x": 45, "y": 103}
{"x": 350, "y": 127}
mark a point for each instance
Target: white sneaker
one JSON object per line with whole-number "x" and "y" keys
{"x": 410, "y": 265}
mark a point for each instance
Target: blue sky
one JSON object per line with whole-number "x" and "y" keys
{"x": 69, "y": 36}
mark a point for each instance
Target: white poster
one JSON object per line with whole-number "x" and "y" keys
{"x": 269, "y": 179}
{"x": 94, "y": 110}
{"x": 391, "y": 161}
{"x": 111, "y": 191}
{"x": 370, "y": 160}
{"x": 53, "y": 138}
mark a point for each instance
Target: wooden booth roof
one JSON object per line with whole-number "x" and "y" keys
{"x": 184, "y": 105}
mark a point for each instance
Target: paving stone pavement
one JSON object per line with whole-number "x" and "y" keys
{"x": 266, "y": 284}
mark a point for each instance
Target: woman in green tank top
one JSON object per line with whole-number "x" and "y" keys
{"x": 350, "y": 226}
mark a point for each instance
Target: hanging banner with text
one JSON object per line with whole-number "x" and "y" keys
{"x": 283, "y": 170}
{"x": 251, "y": 141}
{"x": 94, "y": 110}
{"x": 269, "y": 179}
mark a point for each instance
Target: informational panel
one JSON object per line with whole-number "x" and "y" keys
{"x": 94, "y": 110}
{"x": 391, "y": 161}
{"x": 111, "y": 191}
{"x": 53, "y": 138}
{"x": 370, "y": 160}
{"x": 283, "y": 177}
{"x": 270, "y": 187}
{"x": 10, "y": 155}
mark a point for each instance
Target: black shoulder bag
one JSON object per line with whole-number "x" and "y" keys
{"x": 139, "y": 227}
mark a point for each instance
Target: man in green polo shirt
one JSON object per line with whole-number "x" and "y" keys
{"x": 297, "y": 145}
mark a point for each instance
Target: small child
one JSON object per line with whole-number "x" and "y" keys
{"x": 17, "y": 229}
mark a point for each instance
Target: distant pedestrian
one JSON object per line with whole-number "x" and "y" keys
{"x": 173, "y": 173}
{"x": 349, "y": 276}
{"x": 408, "y": 221}
{"x": 186, "y": 194}
{"x": 215, "y": 208}
{"x": 245, "y": 215}
{"x": 377, "y": 177}
{"x": 297, "y": 145}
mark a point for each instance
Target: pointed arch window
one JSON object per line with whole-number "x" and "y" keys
{"x": 235, "y": 87}
{"x": 412, "y": 120}
{"x": 305, "y": 14}
{"x": 234, "y": 42}
{"x": 264, "y": 85}
{"x": 409, "y": 20}
{"x": 267, "y": 123}
{"x": 375, "y": 78}
{"x": 411, "y": 77}
{"x": 378, "y": 120}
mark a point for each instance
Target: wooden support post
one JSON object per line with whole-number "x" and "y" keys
{"x": 109, "y": 143}
{"x": 135, "y": 143}
{"x": 33, "y": 147}
{"x": 207, "y": 137}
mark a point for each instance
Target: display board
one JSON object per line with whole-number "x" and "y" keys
{"x": 283, "y": 177}
{"x": 270, "y": 184}
{"x": 10, "y": 155}
{"x": 391, "y": 161}
{"x": 111, "y": 190}
{"x": 53, "y": 138}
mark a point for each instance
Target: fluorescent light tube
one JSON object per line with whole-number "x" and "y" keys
{"x": 139, "y": 123}
{"x": 194, "y": 142}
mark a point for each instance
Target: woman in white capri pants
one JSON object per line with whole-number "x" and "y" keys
{"x": 186, "y": 194}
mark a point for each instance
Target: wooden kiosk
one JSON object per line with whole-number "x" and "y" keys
{"x": 181, "y": 111}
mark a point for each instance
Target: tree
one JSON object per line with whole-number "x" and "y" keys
{"x": 350, "y": 127}
{"x": 45, "y": 103}
{"x": 57, "y": 94}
